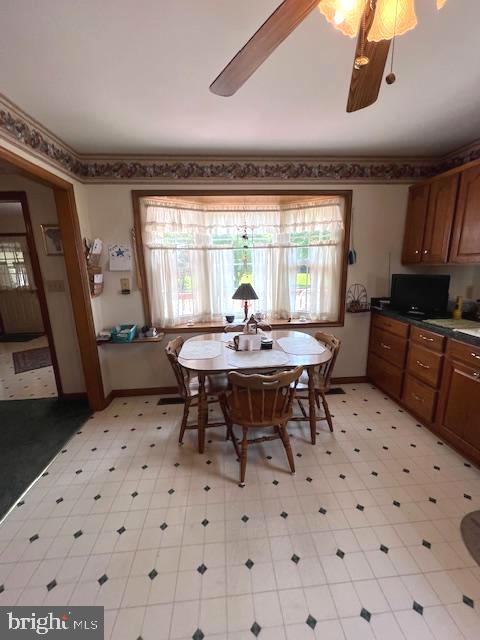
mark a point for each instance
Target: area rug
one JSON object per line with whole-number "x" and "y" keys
{"x": 19, "y": 337}
{"x": 470, "y": 528}
{"x": 31, "y": 359}
{"x": 32, "y": 432}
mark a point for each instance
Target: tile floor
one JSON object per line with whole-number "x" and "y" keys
{"x": 39, "y": 383}
{"x": 362, "y": 544}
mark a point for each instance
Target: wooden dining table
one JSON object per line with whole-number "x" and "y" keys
{"x": 223, "y": 359}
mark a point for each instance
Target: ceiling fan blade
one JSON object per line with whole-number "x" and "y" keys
{"x": 273, "y": 32}
{"x": 366, "y": 81}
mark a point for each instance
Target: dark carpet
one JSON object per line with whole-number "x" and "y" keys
{"x": 19, "y": 337}
{"x": 32, "y": 432}
{"x": 31, "y": 359}
{"x": 470, "y": 528}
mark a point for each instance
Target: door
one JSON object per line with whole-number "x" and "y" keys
{"x": 466, "y": 231}
{"x": 415, "y": 223}
{"x": 459, "y": 410}
{"x": 440, "y": 213}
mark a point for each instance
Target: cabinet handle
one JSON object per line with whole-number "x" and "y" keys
{"x": 385, "y": 346}
{"x": 427, "y": 339}
{"x": 417, "y": 252}
{"x": 476, "y": 374}
{"x": 424, "y": 366}
{"x": 419, "y": 398}
{"x": 425, "y": 252}
{"x": 474, "y": 355}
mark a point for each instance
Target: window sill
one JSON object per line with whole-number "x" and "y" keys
{"x": 217, "y": 327}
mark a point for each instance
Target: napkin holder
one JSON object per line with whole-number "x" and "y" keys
{"x": 247, "y": 342}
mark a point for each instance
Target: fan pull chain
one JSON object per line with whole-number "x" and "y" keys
{"x": 390, "y": 79}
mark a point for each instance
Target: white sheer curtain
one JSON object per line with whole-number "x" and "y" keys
{"x": 193, "y": 254}
{"x": 15, "y": 267}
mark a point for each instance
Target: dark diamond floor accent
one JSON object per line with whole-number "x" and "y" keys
{"x": 342, "y": 476}
{"x": 468, "y": 601}
{"x": 205, "y": 522}
{"x": 245, "y": 518}
{"x": 374, "y": 473}
{"x": 145, "y": 466}
{"x": 433, "y": 500}
{"x": 295, "y": 558}
{"x": 417, "y": 607}
{"x": 34, "y": 537}
{"x": 171, "y": 491}
{"x": 396, "y": 503}
{"x": 311, "y": 622}
{"x": 360, "y": 507}
{"x": 275, "y": 482}
{"x": 322, "y": 511}
{"x": 78, "y": 533}
{"x": 51, "y": 585}
{"x": 2, "y": 588}
{"x": 249, "y": 563}
{"x": 383, "y": 548}
{"x": 255, "y": 629}
{"x": 97, "y": 497}
{"x": 121, "y": 530}
{"x": 340, "y": 553}
{"x": 198, "y": 635}
{"x": 59, "y": 500}
{"x": 308, "y": 479}
{"x": 284, "y": 515}
{"x": 201, "y": 569}
{"x": 206, "y": 488}
{"x": 153, "y": 574}
{"x": 134, "y": 494}
{"x": 366, "y": 615}
{"x": 102, "y": 579}
{"x": 427, "y": 544}
{"x": 163, "y": 526}
{"x": 467, "y": 497}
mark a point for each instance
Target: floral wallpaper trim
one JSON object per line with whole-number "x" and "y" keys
{"x": 16, "y": 127}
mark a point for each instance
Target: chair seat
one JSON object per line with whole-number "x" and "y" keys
{"x": 214, "y": 384}
{"x": 318, "y": 381}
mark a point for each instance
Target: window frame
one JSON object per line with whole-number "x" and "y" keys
{"x": 142, "y": 282}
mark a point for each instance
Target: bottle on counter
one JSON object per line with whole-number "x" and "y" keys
{"x": 457, "y": 312}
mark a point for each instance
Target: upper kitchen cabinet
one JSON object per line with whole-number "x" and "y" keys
{"x": 439, "y": 222}
{"x": 415, "y": 223}
{"x": 466, "y": 231}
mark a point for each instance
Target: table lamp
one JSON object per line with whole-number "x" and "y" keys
{"x": 245, "y": 292}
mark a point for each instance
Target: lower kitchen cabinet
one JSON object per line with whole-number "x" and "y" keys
{"x": 458, "y": 416}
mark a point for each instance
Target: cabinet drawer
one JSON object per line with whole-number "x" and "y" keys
{"x": 419, "y": 398}
{"x": 424, "y": 364}
{"x": 428, "y": 339}
{"x": 388, "y": 346}
{"x": 385, "y": 375}
{"x": 389, "y": 324}
{"x": 465, "y": 352}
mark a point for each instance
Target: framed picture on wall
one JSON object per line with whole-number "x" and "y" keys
{"x": 52, "y": 239}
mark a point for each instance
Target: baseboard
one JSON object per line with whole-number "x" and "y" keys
{"x": 150, "y": 391}
{"x": 350, "y": 380}
{"x": 81, "y": 395}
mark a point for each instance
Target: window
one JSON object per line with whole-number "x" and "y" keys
{"x": 197, "y": 253}
{"x": 13, "y": 266}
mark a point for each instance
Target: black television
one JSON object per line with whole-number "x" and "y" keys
{"x": 420, "y": 294}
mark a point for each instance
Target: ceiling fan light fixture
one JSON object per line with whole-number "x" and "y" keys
{"x": 344, "y": 15}
{"x": 392, "y": 18}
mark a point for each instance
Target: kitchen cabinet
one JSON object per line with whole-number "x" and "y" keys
{"x": 459, "y": 407}
{"x": 439, "y": 221}
{"x": 415, "y": 223}
{"x": 466, "y": 231}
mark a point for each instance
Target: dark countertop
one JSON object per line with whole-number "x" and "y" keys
{"x": 449, "y": 333}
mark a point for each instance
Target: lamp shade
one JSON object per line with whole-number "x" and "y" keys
{"x": 245, "y": 292}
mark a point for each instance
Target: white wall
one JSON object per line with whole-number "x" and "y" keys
{"x": 43, "y": 210}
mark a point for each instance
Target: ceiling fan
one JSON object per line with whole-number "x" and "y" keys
{"x": 374, "y": 22}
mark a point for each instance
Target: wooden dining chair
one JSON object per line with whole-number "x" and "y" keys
{"x": 261, "y": 401}
{"x": 315, "y": 382}
{"x": 216, "y": 387}
{"x": 238, "y": 328}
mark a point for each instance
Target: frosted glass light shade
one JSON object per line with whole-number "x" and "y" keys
{"x": 344, "y": 15}
{"x": 392, "y": 18}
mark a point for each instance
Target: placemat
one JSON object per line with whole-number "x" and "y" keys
{"x": 201, "y": 349}
{"x": 301, "y": 346}
{"x": 257, "y": 359}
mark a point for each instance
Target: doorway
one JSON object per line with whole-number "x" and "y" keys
{"x": 28, "y": 361}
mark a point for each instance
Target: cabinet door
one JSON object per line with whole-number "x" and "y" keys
{"x": 415, "y": 223}
{"x": 440, "y": 213}
{"x": 459, "y": 408}
{"x": 466, "y": 230}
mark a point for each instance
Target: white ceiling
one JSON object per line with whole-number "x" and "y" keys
{"x": 116, "y": 76}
